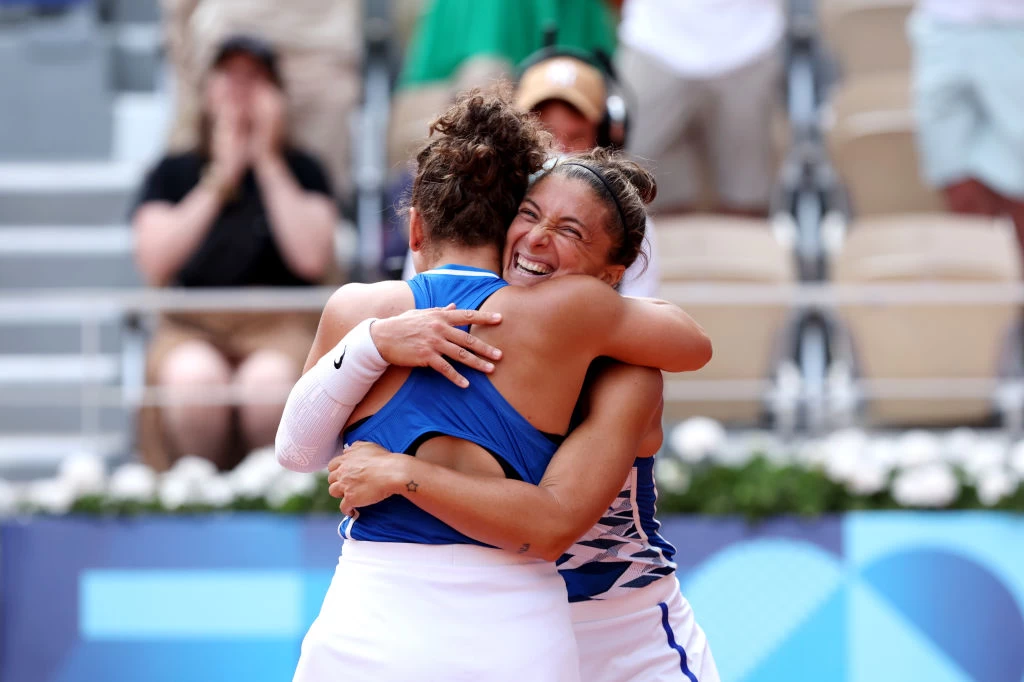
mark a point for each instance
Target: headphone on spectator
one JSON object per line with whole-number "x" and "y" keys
{"x": 613, "y": 129}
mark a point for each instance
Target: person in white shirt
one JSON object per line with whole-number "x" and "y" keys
{"x": 969, "y": 103}
{"x": 706, "y": 75}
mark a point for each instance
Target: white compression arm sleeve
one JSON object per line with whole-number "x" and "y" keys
{"x": 321, "y": 402}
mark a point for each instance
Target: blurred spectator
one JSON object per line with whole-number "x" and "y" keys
{"x": 705, "y": 74}
{"x": 970, "y": 104}
{"x": 319, "y": 43}
{"x": 241, "y": 208}
{"x": 568, "y": 95}
{"x": 461, "y": 44}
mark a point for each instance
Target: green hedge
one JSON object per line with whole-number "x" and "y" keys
{"x": 755, "y": 490}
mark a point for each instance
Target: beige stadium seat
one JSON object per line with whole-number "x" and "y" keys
{"x": 709, "y": 249}
{"x": 867, "y": 36}
{"x": 918, "y": 341}
{"x": 871, "y": 139}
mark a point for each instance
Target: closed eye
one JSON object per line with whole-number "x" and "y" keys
{"x": 528, "y": 213}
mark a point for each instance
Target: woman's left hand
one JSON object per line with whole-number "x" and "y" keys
{"x": 365, "y": 473}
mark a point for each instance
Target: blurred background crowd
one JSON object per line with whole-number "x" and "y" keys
{"x": 840, "y": 199}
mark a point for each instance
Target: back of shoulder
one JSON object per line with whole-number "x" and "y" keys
{"x": 357, "y": 301}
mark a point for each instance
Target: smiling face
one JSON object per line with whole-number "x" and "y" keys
{"x": 560, "y": 230}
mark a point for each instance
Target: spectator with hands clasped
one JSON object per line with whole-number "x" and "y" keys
{"x": 243, "y": 208}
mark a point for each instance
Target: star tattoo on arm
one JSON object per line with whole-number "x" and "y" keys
{"x": 412, "y": 486}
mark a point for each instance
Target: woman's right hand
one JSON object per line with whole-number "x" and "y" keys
{"x": 423, "y": 338}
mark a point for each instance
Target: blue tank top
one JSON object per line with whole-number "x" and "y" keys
{"x": 429, "y": 405}
{"x": 625, "y": 550}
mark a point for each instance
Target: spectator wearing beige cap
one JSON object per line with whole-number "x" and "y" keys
{"x": 568, "y": 95}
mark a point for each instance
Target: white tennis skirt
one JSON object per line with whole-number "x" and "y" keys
{"x": 650, "y": 635}
{"x": 397, "y": 612}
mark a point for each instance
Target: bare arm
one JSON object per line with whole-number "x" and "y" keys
{"x": 167, "y": 234}
{"x": 302, "y": 222}
{"x": 659, "y": 331}
{"x": 588, "y": 314}
{"x": 542, "y": 521}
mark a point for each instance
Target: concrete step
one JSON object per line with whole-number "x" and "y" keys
{"x": 65, "y": 419}
{"x": 28, "y": 455}
{"x": 56, "y": 369}
{"x": 67, "y": 256}
{"x": 137, "y": 56}
{"x": 68, "y": 192}
{"x": 63, "y": 337}
{"x": 130, "y": 11}
{"x": 62, "y": 272}
{"x": 57, "y": 100}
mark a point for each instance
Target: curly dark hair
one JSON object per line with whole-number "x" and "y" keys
{"x": 476, "y": 168}
{"x": 633, "y": 189}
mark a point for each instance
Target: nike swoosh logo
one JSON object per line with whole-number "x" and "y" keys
{"x": 337, "y": 363}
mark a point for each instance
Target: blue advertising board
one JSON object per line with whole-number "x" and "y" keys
{"x": 865, "y": 597}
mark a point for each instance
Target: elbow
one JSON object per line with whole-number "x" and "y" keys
{"x": 552, "y": 551}
{"x": 151, "y": 260}
{"x": 313, "y": 262}
{"x": 695, "y": 354}
{"x": 153, "y": 267}
{"x": 293, "y": 458}
{"x": 312, "y": 267}
{"x": 558, "y": 543}
{"x": 702, "y": 352}
{"x": 152, "y": 256}
{"x": 552, "y": 555}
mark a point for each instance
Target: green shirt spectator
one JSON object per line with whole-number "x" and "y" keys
{"x": 452, "y": 31}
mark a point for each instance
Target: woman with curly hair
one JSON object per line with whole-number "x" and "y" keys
{"x": 412, "y": 596}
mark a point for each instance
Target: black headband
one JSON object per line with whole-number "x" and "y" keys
{"x": 607, "y": 186}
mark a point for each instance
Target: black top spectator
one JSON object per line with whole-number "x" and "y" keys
{"x": 239, "y": 249}
{"x": 242, "y": 207}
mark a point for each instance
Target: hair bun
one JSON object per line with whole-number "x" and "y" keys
{"x": 477, "y": 165}
{"x": 636, "y": 175}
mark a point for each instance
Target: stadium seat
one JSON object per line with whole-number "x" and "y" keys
{"x": 57, "y": 103}
{"x": 722, "y": 250}
{"x": 919, "y": 341}
{"x": 870, "y": 134}
{"x": 867, "y": 36}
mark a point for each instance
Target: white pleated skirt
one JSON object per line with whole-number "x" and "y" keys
{"x": 397, "y": 612}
